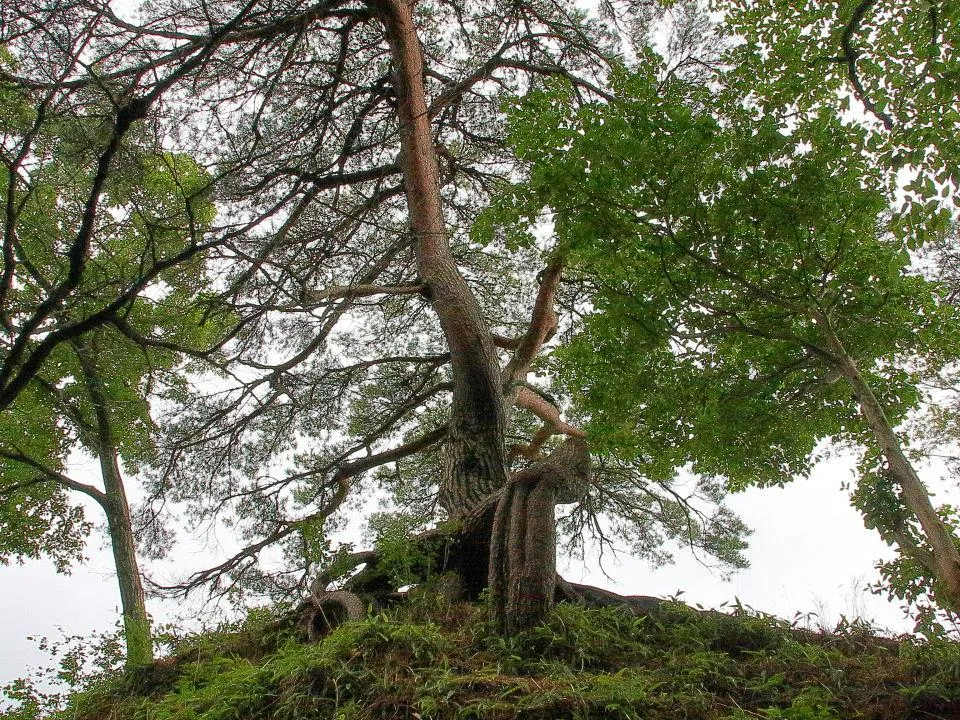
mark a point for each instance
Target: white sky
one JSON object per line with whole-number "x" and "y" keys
{"x": 809, "y": 553}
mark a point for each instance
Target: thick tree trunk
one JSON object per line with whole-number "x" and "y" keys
{"x": 523, "y": 553}
{"x": 522, "y": 563}
{"x": 523, "y": 546}
{"x": 946, "y": 558}
{"x": 475, "y": 458}
{"x": 136, "y": 622}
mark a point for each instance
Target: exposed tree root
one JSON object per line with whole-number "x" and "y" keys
{"x": 598, "y": 597}
{"x": 464, "y": 552}
{"x": 325, "y": 611}
{"x": 331, "y": 609}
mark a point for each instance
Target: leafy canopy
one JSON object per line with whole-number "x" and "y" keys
{"x": 152, "y": 200}
{"x": 711, "y": 244}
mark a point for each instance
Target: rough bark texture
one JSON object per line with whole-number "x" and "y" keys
{"x": 522, "y": 571}
{"x": 475, "y": 458}
{"x": 522, "y": 545}
{"x": 331, "y": 609}
{"x": 136, "y": 622}
{"x": 945, "y": 563}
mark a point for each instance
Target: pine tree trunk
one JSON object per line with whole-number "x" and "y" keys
{"x": 475, "y": 455}
{"x": 522, "y": 560}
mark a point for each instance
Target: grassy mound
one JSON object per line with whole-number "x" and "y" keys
{"x": 431, "y": 660}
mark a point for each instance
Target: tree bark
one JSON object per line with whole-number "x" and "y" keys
{"x": 136, "y": 622}
{"x": 523, "y": 546}
{"x": 475, "y": 456}
{"x": 946, "y": 558}
{"x": 521, "y": 570}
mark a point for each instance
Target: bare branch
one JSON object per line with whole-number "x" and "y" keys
{"x": 48, "y": 474}
{"x": 543, "y": 324}
{"x": 355, "y": 291}
{"x": 288, "y": 527}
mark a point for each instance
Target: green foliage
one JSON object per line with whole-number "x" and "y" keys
{"x": 894, "y": 62}
{"x": 313, "y": 538}
{"x": 154, "y": 204}
{"x": 708, "y": 241}
{"x": 730, "y": 255}
{"x": 40, "y": 520}
{"x": 890, "y": 70}
{"x": 401, "y": 559}
{"x": 93, "y": 390}
{"x": 811, "y": 704}
{"x": 81, "y": 663}
{"x": 674, "y": 663}
{"x": 939, "y": 664}
{"x": 904, "y": 577}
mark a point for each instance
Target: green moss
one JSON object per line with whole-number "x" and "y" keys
{"x": 582, "y": 664}
{"x": 218, "y": 689}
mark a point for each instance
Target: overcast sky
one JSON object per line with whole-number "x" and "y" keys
{"x": 809, "y": 554}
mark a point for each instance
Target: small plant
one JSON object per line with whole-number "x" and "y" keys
{"x": 80, "y": 662}
{"x": 404, "y": 561}
{"x": 811, "y": 704}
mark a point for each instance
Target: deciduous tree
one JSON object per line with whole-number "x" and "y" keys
{"x": 91, "y": 327}
{"x": 748, "y": 292}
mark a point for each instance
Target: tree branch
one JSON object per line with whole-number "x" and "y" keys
{"x": 547, "y": 412}
{"x": 851, "y": 55}
{"x": 50, "y": 475}
{"x": 354, "y": 291}
{"x": 288, "y": 527}
{"x": 543, "y": 324}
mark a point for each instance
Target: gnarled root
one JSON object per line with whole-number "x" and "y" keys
{"x": 595, "y": 597}
{"x": 522, "y": 572}
{"x": 330, "y": 610}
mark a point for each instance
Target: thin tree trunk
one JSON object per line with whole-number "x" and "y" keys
{"x": 475, "y": 456}
{"x": 136, "y": 622}
{"x": 946, "y": 558}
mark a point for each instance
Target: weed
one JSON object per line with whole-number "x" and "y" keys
{"x": 435, "y": 660}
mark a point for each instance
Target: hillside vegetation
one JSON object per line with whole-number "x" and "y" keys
{"x": 435, "y": 659}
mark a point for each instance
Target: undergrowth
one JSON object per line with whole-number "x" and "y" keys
{"x": 435, "y": 659}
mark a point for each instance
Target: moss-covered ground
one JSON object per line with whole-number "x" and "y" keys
{"x": 436, "y": 660}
